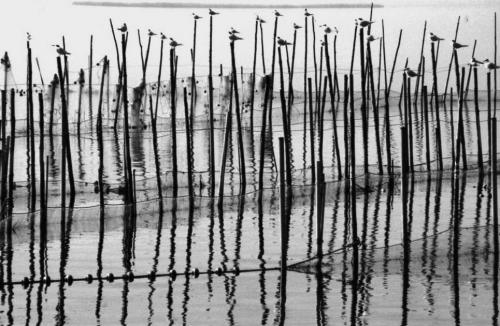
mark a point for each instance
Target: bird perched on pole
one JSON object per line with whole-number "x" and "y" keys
{"x": 295, "y": 26}
{"x": 282, "y": 42}
{"x": 327, "y": 29}
{"x": 372, "y": 38}
{"x": 490, "y": 65}
{"x": 196, "y": 17}
{"x": 457, "y": 45}
{"x": 364, "y": 23}
{"x": 174, "y": 43}
{"x": 434, "y": 38}
{"x": 307, "y": 13}
{"x": 151, "y": 33}
{"x": 234, "y": 37}
{"x": 277, "y": 13}
{"x": 60, "y": 50}
{"x": 410, "y": 73}
{"x": 123, "y": 29}
{"x": 211, "y": 12}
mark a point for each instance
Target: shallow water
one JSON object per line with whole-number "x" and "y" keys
{"x": 450, "y": 271}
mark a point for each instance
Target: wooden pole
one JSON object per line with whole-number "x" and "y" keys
{"x": 65, "y": 130}
{"x": 364, "y": 120}
{"x": 436, "y": 108}
{"x": 375, "y": 109}
{"x": 263, "y": 136}
{"x": 31, "y": 132}
{"x": 90, "y": 74}
{"x": 99, "y": 135}
{"x": 128, "y": 165}
{"x": 173, "y": 117}
{"x": 158, "y": 83}
{"x": 420, "y": 63}
{"x": 241, "y": 150}
{"x": 193, "y": 74}
{"x": 346, "y": 126}
{"x": 262, "y": 47}
{"x": 470, "y": 72}
{"x": 451, "y": 62}
{"x": 81, "y": 82}
{"x": 227, "y": 140}
{"x": 53, "y": 86}
{"x": 488, "y": 86}
{"x": 155, "y": 149}
{"x": 427, "y": 131}
{"x": 285, "y": 122}
{"x": 311, "y": 132}
{"x": 188, "y": 147}
{"x": 12, "y": 147}
{"x": 254, "y": 65}
{"x": 211, "y": 113}
{"x": 43, "y": 208}
{"x": 478, "y": 124}
{"x": 332, "y": 101}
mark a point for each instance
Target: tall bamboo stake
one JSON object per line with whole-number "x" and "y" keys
{"x": 90, "y": 74}
{"x": 158, "y": 83}
{"x": 211, "y": 111}
{"x": 31, "y": 135}
{"x": 252, "y": 82}
{"x": 99, "y": 135}
{"x": 478, "y": 124}
{"x": 451, "y": 62}
{"x": 241, "y": 150}
{"x": 173, "y": 117}
{"x": 81, "y": 82}
{"x": 188, "y": 147}
{"x": 12, "y": 147}
{"x": 436, "y": 108}
{"x": 311, "y": 132}
{"x": 332, "y": 102}
{"x": 43, "y": 208}
{"x": 420, "y": 63}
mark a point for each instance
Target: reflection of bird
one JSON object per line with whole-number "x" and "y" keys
{"x": 371, "y": 38}
{"x": 490, "y": 65}
{"x": 211, "y": 12}
{"x": 234, "y": 37}
{"x": 307, "y": 13}
{"x": 283, "y": 42}
{"x": 457, "y": 45}
{"x": 233, "y": 31}
{"x": 435, "y": 38}
{"x": 163, "y": 36}
{"x": 262, "y": 21}
{"x": 151, "y": 33}
{"x": 277, "y": 13}
{"x": 296, "y": 26}
{"x": 195, "y": 16}
{"x": 410, "y": 73}
{"x": 60, "y": 50}
{"x": 123, "y": 29}
{"x": 174, "y": 43}
{"x": 364, "y": 23}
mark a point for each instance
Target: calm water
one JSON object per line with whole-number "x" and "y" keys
{"x": 452, "y": 279}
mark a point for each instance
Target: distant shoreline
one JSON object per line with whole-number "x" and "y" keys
{"x": 220, "y": 5}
